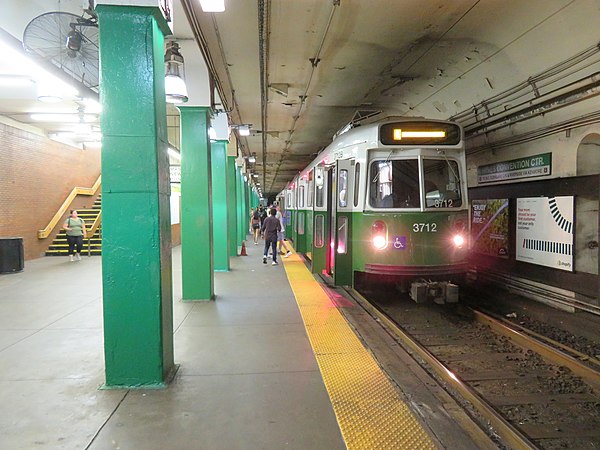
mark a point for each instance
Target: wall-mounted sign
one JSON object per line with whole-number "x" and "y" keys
{"x": 531, "y": 166}
{"x": 545, "y": 231}
{"x": 489, "y": 227}
{"x": 175, "y": 174}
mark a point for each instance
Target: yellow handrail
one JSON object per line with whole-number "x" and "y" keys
{"x": 95, "y": 225}
{"x": 42, "y": 234}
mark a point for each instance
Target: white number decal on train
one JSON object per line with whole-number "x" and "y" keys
{"x": 425, "y": 227}
{"x": 443, "y": 203}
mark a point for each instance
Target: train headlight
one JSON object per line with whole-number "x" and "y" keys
{"x": 458, "y": 240}
{"x": 379, "y": 235}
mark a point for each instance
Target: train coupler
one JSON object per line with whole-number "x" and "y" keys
{"x": 439, "y": 292}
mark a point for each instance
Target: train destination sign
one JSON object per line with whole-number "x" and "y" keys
{"x": 531, "y": 166}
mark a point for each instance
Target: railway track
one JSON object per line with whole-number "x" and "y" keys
{"x": 534, "y": 393}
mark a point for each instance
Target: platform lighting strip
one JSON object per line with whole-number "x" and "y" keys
{"x": 399, "y": 134}
{"x": 368, "y": 408}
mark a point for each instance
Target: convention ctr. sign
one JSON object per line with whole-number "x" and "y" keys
{"x": 531, "y": 166}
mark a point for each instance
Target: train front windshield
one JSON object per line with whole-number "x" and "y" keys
{"x": 395, "y": 183}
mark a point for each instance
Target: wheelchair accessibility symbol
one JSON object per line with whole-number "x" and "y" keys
{"x": 399, "y": 242}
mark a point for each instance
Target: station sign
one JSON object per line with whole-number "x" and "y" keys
{"x": 531, "y": 166}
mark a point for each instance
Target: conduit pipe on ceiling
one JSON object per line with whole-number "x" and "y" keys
{"x": 575, "y": 92}
{"x": 314, "y": 62}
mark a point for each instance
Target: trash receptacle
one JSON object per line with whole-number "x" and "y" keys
{"x": 11, "y": 254}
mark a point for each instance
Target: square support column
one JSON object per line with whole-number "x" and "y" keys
{"x": 219, "y": 205}
{"x": 136, "y": 227}
{"x": 197, "y": 262}
{"x": 232, "y": 206}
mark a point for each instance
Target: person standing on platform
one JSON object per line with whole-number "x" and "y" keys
{"x": 270, "y": 228}
{"x": 76, "y": 232}
{"x": 281, "y": 234}
{"x": 255, "y": 224}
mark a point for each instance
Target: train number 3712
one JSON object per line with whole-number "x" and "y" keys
{"x": 424, "y": 227}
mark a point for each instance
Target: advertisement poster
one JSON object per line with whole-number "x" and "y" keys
{"x": 489, "y": 227}
{"x": 545, "y": 231}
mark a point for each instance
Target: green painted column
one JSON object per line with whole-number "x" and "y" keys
{"x": 136, "y": 227}
{"x": 219, "y": 205}
{"x": 232, "y": 206}
{"x": 242, "y": 222}
{"x": 197, "y": 275}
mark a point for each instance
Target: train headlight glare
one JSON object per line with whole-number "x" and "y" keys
{"x": 379, "y": 242}
{"x": 379, "y": 234}
{"x": 458, "y": 240}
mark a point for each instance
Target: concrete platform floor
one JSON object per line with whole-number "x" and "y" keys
{"x": 247, "y": 380}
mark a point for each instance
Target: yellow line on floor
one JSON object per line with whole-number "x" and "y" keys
{"x": 369, "y": 409}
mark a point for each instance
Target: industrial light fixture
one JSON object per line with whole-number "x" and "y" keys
{"x": 174, "y": 154}
{"x": 252, "y": 158}
{"x": 212, "y": 5}
{"x": 175, "y": 89}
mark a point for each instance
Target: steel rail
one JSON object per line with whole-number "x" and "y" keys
{"x": 511, "y": 435}
{"x": 547, "y": 352}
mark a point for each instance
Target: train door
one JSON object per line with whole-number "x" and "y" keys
{"x": 342, "y": 205}
{"x": 330, "y": 236}
{"x": 321, "y": 239}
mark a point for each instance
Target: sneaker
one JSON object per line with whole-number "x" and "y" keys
{"x": 256, "y": 243}
{"x": 274, "y": 263}
{"x": 264, "y": 260}
{"x": 78, "y": 257}
{"x": 71, "y": 258}
{"x": 288, "y": 254}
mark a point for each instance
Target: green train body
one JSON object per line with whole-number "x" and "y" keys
{"x": 387, "y": 198}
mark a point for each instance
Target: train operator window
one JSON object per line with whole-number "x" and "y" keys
{"x": 395, "y": 184}
{"x": 319, "y": 182}
{"x": 442, "y": 183}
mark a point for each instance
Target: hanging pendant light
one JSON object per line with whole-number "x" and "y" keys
{"x": 175, "y": 88}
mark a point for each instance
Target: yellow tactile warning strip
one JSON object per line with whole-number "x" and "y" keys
{"x": 368, "y": 408}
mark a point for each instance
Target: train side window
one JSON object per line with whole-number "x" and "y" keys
{"x": 356, "y": 183}
{"x": 395, "y": 184}
{"x": 342, "y": 237}
{"x": 343, "y": 188}
{"x": 301, "y": 197}
{"x": 442, "y": 183}
{"x": 311, "y": 189}
{"x": 320, "y": 185}
{"x": 300, "y": 222}
{"x": 319, "y": 231}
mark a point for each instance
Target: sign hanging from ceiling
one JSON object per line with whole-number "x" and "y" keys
{"x": 531, "y": 166}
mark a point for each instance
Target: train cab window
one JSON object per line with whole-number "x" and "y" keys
{"x": 442, "y": 183}
{"x": 356, "y": 183}
{"x": 395, "y": 184}
{"x": 343, "y": 189}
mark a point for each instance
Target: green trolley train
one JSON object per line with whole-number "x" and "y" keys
{"x": 385, "y": 199}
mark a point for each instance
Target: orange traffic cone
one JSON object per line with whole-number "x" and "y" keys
{"x": 243, "y": 252}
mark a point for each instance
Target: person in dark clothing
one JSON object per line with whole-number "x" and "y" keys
{"x": 270, "y": 227}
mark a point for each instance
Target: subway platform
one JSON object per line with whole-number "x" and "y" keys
{"x": 271, "y": 364}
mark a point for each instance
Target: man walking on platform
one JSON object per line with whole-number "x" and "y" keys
{"x": 270, "y": 227}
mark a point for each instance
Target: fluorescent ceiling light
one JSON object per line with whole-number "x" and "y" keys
{"x": 15, "y": 80}
{"x": 55, "y": 117}
{"x": 174, "y": 154}
{"x": 244, "y": 130}
{"x": 212, "y": 5}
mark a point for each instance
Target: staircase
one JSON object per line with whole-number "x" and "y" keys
{"x": 59, "y": 246}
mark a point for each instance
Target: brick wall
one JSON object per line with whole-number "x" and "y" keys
{"x": 36, "y": 176}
